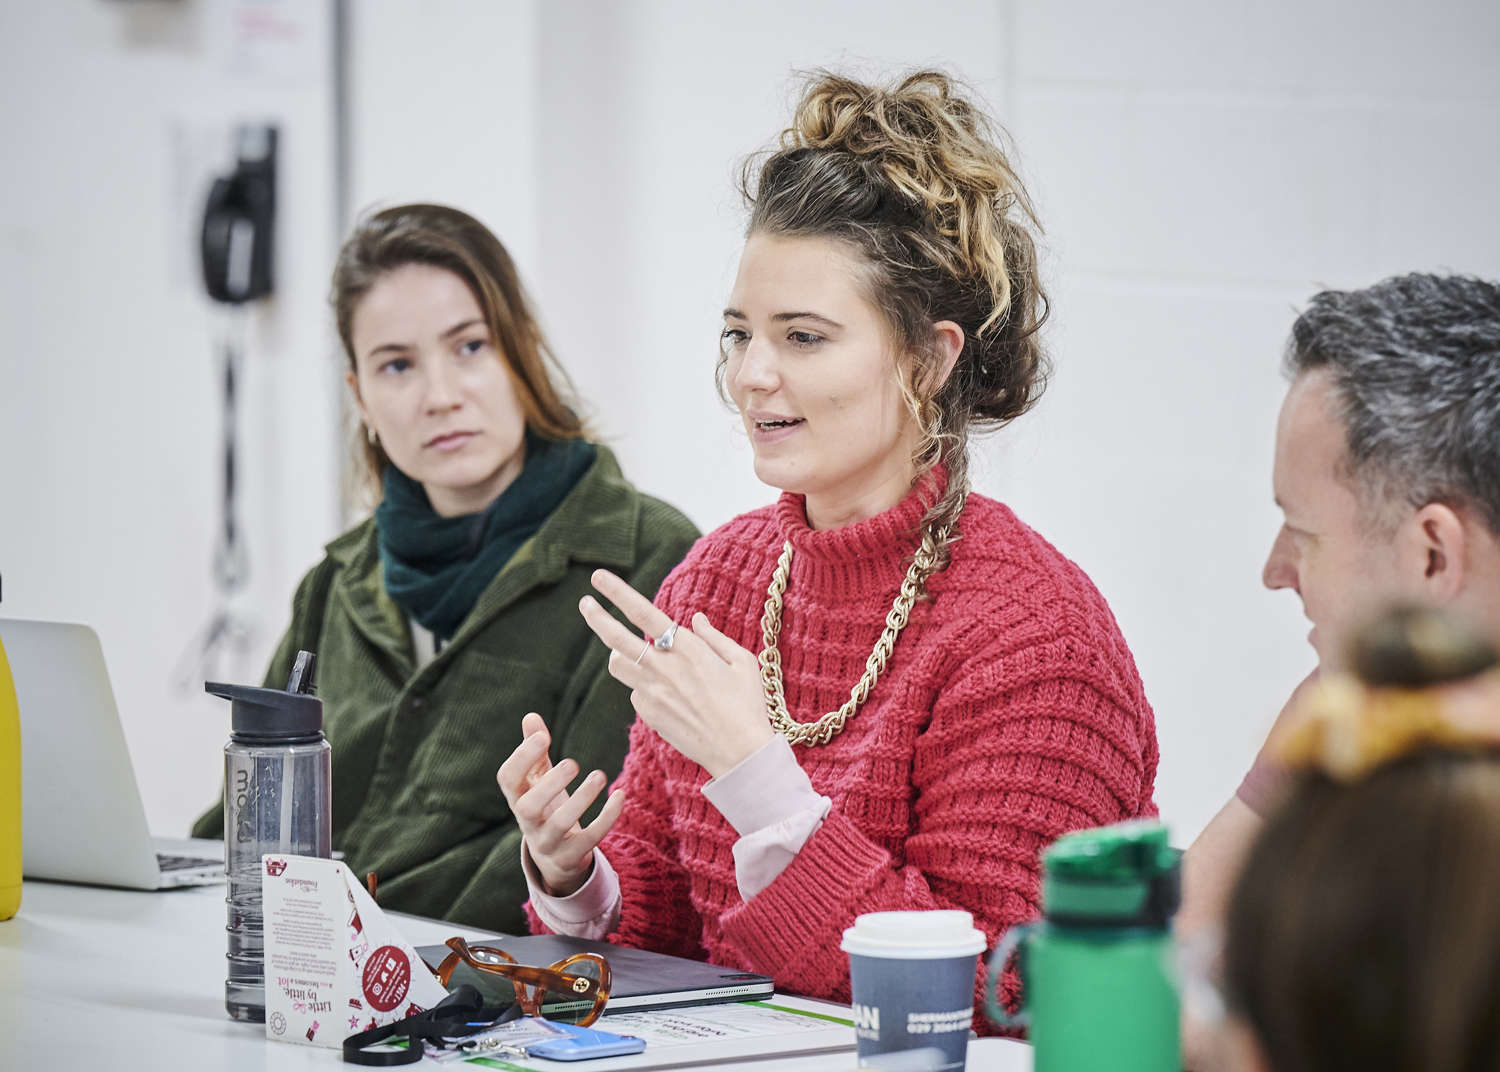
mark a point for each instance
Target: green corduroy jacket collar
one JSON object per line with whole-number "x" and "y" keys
{"x": 596, "y": 524}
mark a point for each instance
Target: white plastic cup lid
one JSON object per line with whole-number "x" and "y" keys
{"x": 914, "y": 935}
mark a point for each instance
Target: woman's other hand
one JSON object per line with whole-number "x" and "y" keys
{"x": 561, "y": 849}
{"x": 704, "y": 696}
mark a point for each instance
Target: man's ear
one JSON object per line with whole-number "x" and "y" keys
{"x": 1435, "y": 545}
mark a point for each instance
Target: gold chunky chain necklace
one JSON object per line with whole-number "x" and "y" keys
{"x": 825, "y": 729}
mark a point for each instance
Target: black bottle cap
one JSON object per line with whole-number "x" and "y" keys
{"x": 270, "y": 716}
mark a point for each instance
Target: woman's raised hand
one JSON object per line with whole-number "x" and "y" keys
{"x": 704, "y": 696}
{"x": 561, "y": 849}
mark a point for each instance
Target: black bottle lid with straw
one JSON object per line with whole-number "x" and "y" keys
{"x": 271, "y": 716}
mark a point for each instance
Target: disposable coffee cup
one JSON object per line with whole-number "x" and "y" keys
{"x": 912, "y": 976}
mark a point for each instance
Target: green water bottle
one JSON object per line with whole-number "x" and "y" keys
{"x": 1097, "y": 971}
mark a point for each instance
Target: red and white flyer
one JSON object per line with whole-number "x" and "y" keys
{"x": 334, "y": 964}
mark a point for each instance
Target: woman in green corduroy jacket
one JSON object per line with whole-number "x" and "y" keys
{"x": 453, "y": 611}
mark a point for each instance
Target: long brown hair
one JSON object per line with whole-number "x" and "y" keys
{"x": 913, "y": 178}
{"x": 1364, "y": 933}
{"x": 447, "y": 238}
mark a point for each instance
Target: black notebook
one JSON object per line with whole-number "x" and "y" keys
{"x": 640, "y": 980}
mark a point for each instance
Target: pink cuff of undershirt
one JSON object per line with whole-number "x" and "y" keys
{"x": 772, "y": 805}
{"x": 1263, "y": 784}
{"x": 592, "y": 911}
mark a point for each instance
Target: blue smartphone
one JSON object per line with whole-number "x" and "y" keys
{"x": 584, "y": 1043}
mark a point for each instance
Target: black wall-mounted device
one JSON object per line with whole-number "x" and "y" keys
{"x": 239, "y": 221}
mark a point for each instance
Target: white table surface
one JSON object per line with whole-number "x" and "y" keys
{"x": 95, "y": 978}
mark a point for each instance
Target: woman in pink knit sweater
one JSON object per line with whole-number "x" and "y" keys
{"x": 883, "y": 692}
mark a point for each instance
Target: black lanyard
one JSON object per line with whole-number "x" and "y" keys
{"x": 457, "y": 1016}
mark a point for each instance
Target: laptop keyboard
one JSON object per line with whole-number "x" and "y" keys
{"x": 182, "y": 863}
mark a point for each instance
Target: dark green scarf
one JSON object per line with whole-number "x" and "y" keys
{"x": 436, "y": 567}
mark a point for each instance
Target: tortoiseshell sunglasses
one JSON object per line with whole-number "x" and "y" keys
{"x": 572, "y": 991}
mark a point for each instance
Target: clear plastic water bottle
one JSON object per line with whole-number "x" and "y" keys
{"x": 278, "y": 793}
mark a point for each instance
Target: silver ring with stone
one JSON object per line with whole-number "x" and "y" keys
{"x": 664, "y": 642}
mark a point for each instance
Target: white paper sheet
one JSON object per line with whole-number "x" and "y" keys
{"x": 709, "y": 1034}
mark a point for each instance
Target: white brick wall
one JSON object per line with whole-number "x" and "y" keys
{"x": 1201, "y": 169}
{"x": 113, "y": 117}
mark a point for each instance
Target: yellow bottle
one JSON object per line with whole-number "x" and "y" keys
{"x": 10, "y": 793}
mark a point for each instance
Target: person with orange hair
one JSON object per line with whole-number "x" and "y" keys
{"x": 1364, "y": 931}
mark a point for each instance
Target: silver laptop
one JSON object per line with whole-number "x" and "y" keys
{"x": 81, "y": 813}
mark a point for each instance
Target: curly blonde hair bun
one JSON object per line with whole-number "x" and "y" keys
{"x": 913, "y": 177}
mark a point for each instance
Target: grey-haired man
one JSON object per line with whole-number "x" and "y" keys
{"x": 1387, "y": 473}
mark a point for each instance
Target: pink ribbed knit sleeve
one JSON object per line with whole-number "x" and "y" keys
{"x": 770, "y": 802}
{"x": 591, "y": 911}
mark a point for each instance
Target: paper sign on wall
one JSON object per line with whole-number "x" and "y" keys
{"x": 334, "y": 963}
